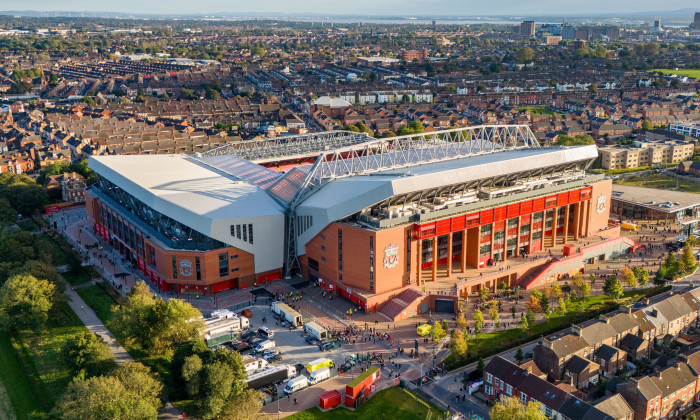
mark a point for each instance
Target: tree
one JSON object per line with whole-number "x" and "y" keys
{"x": 461, "y": 321}
{"x": 25, "y": 302}
{"x": 577, "y": 280}
{"x": 531, "y": 320}
{"x": 510, "y": 408}
{"x": 483, "y": 293}
{"x": 519, "y": 355}
{"x": 8, "y": 215}
{"x": 132, "y": 393}
{"x": 480, "y": 365}
{"x": 524, "y": 325}
{"x": 641, "y": 274}
{"x": 458, "y": 343}
{"x": 438, "y": 332}
{"x": 245, "y": 406}
{"x": 585, "y": 289}
{"x": 688, "y": 260}
{"x": 478, "y": 321}
{"x": 566, "y": 288}
{"x": 561, "y": 308}
{"x": 25, "y": 195}
{"x": 544, "y": 303}
{"x": 691, "y": 240}
{"x": 647, "y": 125}
{"x": 580, "y": 140}
{"x": 534, "y": 303}
{"x": 525, "y": 55}
{"x": 613, "y": 287}
{"x": 592, "y": 278}
{"x": 87, "y": 355}
{"x": 493, "y": 313}
{"x": 629, "y": 277}
{"x": 154, "y": 324}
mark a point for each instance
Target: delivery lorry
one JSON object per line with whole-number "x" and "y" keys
{"x": 287, "y": 313}
{"x": 296, "y": 384}
{"x": 318, "y": 364}
{"x": 270, "y": 375}
{"x": 319, "y": 375}
{"x": 316, "y": 330}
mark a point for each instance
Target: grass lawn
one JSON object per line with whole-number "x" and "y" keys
{"x": 41, "y": 355}
{"x": 537, "y": 110}
{"x": 99, "y": 300}
{"x": 694, "y": 73}
{"x": 662, "y": 182}
{"x": 17, "y": 384}
{"x": 28, "y": 225}
{"x": 391, "y": 403}
{"x": 487, "y": 344}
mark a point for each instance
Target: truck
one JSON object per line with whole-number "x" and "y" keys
{"x": 318, "y": 364}
{"x": 294, "y": 385}
{"x": 287, "y": 313}
{"x": 219, "y": 315}
{"x": 270, "y": 375}
{"x": 319, "y": 375}
{"x": 316, "y": 330}
{"x": 231, "y": 324}
{"x": 629, "y": 226}
{"x": 219, "y": 339}
{"x": 252, "y": 364}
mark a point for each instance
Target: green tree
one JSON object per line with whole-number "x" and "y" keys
{"x": 23, "y": 193}
{"x": 510, "y": 408}
{"x": 613, "y": 287}
{"x": 519, "y": 355}
{"x": 691, "y": 240}
{"x": 525, "y": 55}
{"x": 592, "y": 278}
{"x": 585, "y": 290}
{"x": 641, "y": 274}
{"x": 244, "y": 406}
{"x": 647, "y": 125}
{"x": 565, "y": 140}
{"x": 25, "y": 302}
{"x": 87, "y": 355}
{"x": 524, "y": 325}
{"x": 438, "y": 332}
{"x": 531, "y": 319}
{"x": 8, "y": 214}
{"x": 493, "y": 313}
{"x": 566, "y": 288}
{"x": 544, "y": 303}
{"x": 480, "y": 365}
{"x": 132, "y": 393}
{"x": 478, "y": 321}
{"x": 561, "y": 306}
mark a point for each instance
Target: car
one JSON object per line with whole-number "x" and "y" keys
{"x": 325, "y": 346}
{"x": 269, "y": 351}
{"x": 241, "y": 347}
{"x": 311, "y": 340}
{"x": 250, "y": 334}
{"x": 246, "y": 313}
{"x": 255, "y": 340}
{"x": 273, "y": 355}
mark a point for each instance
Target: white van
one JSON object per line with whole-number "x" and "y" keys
{"x": 266, "y": 332}
{"x": 264, "y": 345}
{"x": 294, "y": 385}
{"x": 319, "y": 375}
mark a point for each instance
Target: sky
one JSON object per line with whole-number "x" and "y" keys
{"x": 454, "y": 8}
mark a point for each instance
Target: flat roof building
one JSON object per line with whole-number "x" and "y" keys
{"x": 650, "y": 203}
{"x": 645, "y": 153}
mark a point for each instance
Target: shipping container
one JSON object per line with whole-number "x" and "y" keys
{"x": 361, "y": 385}
{"x": 316, "y": 330}
{"x": 330, "y": 399}
{"x": 287, "y": 313}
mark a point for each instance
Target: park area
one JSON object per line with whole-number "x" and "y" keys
{"x": 392, "y": 403}
{"x": 694, "y": 73}
{"x": 537, "y": 110}
{"x": 661, "y": 182}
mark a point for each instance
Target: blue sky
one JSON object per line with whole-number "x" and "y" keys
{"x": 357, "y": 7}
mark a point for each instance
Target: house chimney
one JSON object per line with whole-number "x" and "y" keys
{"x": 626, "y": 309}
{"x": 576, "y": 330}
{"x": 604, "y": 319}
{"x": 654, "y": 313}
{"x": 547, "y": 344}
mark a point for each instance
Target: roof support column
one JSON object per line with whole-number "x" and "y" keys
{"x": 419, "y": 260}
{"x": 577, "y": 217}
{"x": 566, "y": 224}
{"x": 516, "y": 251}
{"x": 463, "y": 257}
{"x": 435, "y": 258}
{"x": 449, "y": 254}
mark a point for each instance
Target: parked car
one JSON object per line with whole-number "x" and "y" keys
{"x": 273, "y": 355}
{"x": 250, "y": 334}
{"x": 241, "y": 346}
{"x": 246, "y": 313}
{"x": 327, "y": 346}
{"x": 311, "y": 340}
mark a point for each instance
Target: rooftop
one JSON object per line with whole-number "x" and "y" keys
{"x": 660, "y": 200}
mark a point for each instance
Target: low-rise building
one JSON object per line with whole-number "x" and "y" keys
{"x": 645, "y": 153}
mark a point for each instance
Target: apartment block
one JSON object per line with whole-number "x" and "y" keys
{"x": 645, "y": 153}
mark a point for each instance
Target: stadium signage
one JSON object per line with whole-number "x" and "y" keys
{"x": 600, "y": 206}
{"x": 185, "y": 267}
{"x": 391, "y": 256}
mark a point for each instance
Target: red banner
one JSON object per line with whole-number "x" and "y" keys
{"x": 141, "y": 264}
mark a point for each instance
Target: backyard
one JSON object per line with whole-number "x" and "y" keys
{"x": 391, "y": 403}
{"x": 661, "y": 182}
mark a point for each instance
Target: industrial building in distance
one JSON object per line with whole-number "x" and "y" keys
{"x": 375, "y": 220}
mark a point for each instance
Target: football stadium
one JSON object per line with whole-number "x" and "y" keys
{"x": 403, "y": 225}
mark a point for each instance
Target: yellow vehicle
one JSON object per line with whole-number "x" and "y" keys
{"x": 318, "y": 364}
{"x": 424, "y": 329}
{"x": 630, "y": 226}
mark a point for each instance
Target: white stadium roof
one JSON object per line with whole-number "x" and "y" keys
{"x": 200, "y": 197}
